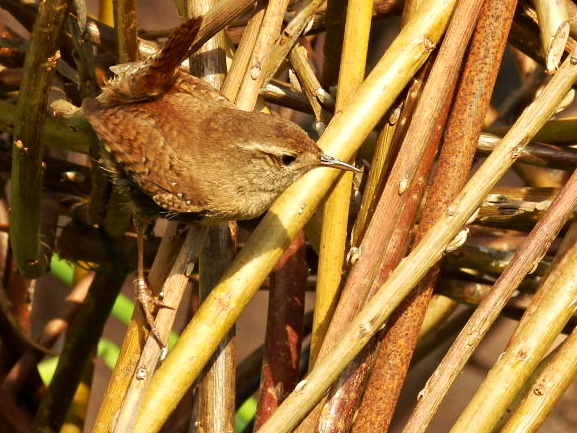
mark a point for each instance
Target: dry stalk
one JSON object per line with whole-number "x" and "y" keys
{"x": 336, "y": 209}
{"x": 214, "y": 403}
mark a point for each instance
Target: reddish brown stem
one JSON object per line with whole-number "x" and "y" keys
{"x": 280, "y": 370}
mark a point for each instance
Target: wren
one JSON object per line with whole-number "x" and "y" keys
{"x": 176, "y": 148}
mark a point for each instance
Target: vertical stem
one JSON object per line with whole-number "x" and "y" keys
{"x": 116, "y": 221}
{"x": 106, "y": 12}
{"x": 336, "y": 209}
{"x": 39, "y": 66}
{"x": 126, "y": 30}
{"x": 215, "y": 393}
{"x": 283, "y": 340}
{"x": 334, "y": 34}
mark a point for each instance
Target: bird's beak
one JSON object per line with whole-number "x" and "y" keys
{"x": 329, "y": 161}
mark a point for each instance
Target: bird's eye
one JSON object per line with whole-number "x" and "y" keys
{"x": 287, "y": 159}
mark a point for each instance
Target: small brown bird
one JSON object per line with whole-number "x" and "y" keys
{"x": 184, "y": 156}
{"x": 178, "y": 149}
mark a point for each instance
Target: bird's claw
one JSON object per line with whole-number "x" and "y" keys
{"x": 145, "y": 299}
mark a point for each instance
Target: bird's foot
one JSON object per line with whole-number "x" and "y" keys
{"x": 145, "y": 300}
